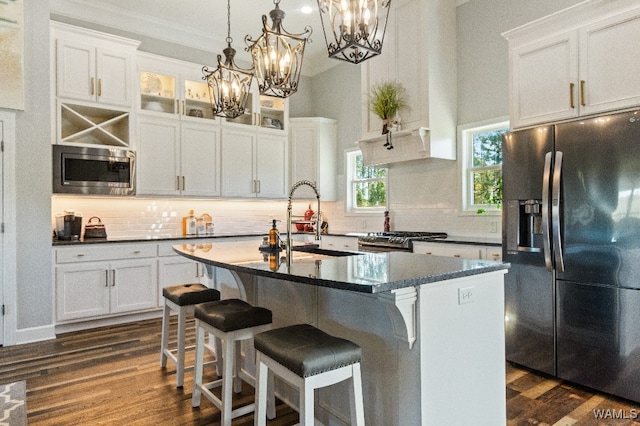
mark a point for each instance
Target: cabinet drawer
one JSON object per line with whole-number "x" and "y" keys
{"x": 104, "y": 252}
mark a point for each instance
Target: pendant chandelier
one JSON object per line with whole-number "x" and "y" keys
{"x": 229, "y": 85}
{"x": 277, "y": 56}
{"x": 354, "y": 29}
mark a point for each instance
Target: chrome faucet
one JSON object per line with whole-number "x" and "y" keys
{"x": 293, "y": 189}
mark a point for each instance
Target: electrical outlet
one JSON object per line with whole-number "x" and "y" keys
{"x": 466, "y": 295}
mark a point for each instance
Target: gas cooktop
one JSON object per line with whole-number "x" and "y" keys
{"x": 398, "y": 240}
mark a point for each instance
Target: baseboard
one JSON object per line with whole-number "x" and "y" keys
{"x": 35, "y": 334}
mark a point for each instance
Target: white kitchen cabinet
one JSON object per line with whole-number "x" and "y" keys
{"x": 253, "y": 163}
{"x": 101, "y": 281}
{"x": 169, "y": 87}
{"x": 493, "y": 253}
{"x": 174, "y": 269}
{"x": 265, "y": 112}
{"x": 466, "y": 251}
{"x": 586, "y": 66}
{"x": 313, "y": 155}
{"x": 418, "y": 52}
{"x": 178, "y": 158}
{"x": 92, "y": 66}
{"x": 340, "y": 243}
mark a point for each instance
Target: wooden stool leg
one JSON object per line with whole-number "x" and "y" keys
{"x": 197, "y": 373}
{"x": 164, "y": 345}
{"x": 355, "y": 397}
{"x": 181, "y": 345}
{"x": 306, "y": 404}
{"x": 261, "y": 392}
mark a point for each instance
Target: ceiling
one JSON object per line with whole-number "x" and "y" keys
{"x": 202, "y": 24}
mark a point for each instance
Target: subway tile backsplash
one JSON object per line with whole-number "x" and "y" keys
{"x": 162, "y": 217}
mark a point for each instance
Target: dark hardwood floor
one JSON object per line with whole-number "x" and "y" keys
{"x": 111, "y": 376}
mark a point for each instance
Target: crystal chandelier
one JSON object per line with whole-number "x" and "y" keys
{"x": 229, "y": 85}
{"x": 277, "y": 56}
{"x": 354, "y": 29}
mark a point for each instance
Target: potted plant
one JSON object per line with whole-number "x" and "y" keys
{"x": 385, "y": 100}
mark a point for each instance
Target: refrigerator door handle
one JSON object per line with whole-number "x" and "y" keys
{"x": 555, "y": 212}
{"x": 546, "y": 225}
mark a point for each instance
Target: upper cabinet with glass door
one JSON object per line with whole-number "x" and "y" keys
{"x": 168, "y": 86}
{"x": 263, "y": 111}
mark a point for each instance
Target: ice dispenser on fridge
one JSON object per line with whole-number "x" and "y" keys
{"x": 524, "y": 224}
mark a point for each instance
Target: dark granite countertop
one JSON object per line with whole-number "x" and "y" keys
{"x": 360, "y": 272}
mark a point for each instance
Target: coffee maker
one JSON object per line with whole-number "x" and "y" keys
{"x": 68, "y": 225}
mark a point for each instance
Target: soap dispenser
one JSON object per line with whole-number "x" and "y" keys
{"x": 274, "y": 236}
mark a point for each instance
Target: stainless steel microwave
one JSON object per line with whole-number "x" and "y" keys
{"x": 93, "y": 171}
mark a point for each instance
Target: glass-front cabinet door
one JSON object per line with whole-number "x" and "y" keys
{"x": 263, "y": 111}
{"x": 173, "y": 87}
{"x": 158, "y": 92}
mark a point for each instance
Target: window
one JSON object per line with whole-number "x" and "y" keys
{"x": 482, "y": 165}
{"x": 367, "y": 186}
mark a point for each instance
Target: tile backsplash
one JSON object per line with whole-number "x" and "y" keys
{"x": 162, "y": 217}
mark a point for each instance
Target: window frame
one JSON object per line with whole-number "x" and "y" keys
{"x": 465, "y": 142}
{"x": 350, "y": 202}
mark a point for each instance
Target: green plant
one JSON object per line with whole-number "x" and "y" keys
{"x": 386, "y": 99}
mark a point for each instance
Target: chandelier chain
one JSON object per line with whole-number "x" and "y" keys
{"x": 229, "y": 40}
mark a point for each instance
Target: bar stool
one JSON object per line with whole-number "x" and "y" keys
{"x": 231, "y": 320}
{"x": 309, "y": 359}
{"x": 181, "y": 299}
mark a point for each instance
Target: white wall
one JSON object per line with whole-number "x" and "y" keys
{"x": 33, "y": 183}
{"x": 483, "y": 67}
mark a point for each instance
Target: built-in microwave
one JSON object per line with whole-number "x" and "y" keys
{"x": 93, "y": 171}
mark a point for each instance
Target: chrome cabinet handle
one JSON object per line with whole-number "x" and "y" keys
{"x": 546, "y": 227}
{"x": 106, "y": 278}
{"x": 184, "y": 184}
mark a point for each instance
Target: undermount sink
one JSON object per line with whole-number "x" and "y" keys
{"x": 315, "y": 249}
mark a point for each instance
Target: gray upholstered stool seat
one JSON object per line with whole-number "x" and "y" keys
{"x": 307, "y": 358}
{"x": 307, "y": 351}
{"x": 231, "y": 321}
{"x": 181, "y": 299}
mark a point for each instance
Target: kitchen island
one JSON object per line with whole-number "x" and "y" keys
{"x": 431, "y": 328}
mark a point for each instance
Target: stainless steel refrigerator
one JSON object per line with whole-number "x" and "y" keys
{"x": 571, "y": 231}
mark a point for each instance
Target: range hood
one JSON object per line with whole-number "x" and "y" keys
{"x": 408, "y": 145}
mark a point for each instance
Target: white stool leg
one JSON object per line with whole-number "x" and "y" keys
{"x": 237, "y": 362}
{"x": 165, "y": 335}
{"x": 197, "y": 374}
{"x": 218, "y": 346}
{"x": 355, "y": 397}
{"x": 306, "y": 403}
{"x": 181, "y": 345}
{"x": 262, "y": 372}
{"x": 227, "y": 383}
{"x": 271, "y": 396}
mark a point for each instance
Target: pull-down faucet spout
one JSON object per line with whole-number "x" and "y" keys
{"x": 293, "y": 189}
